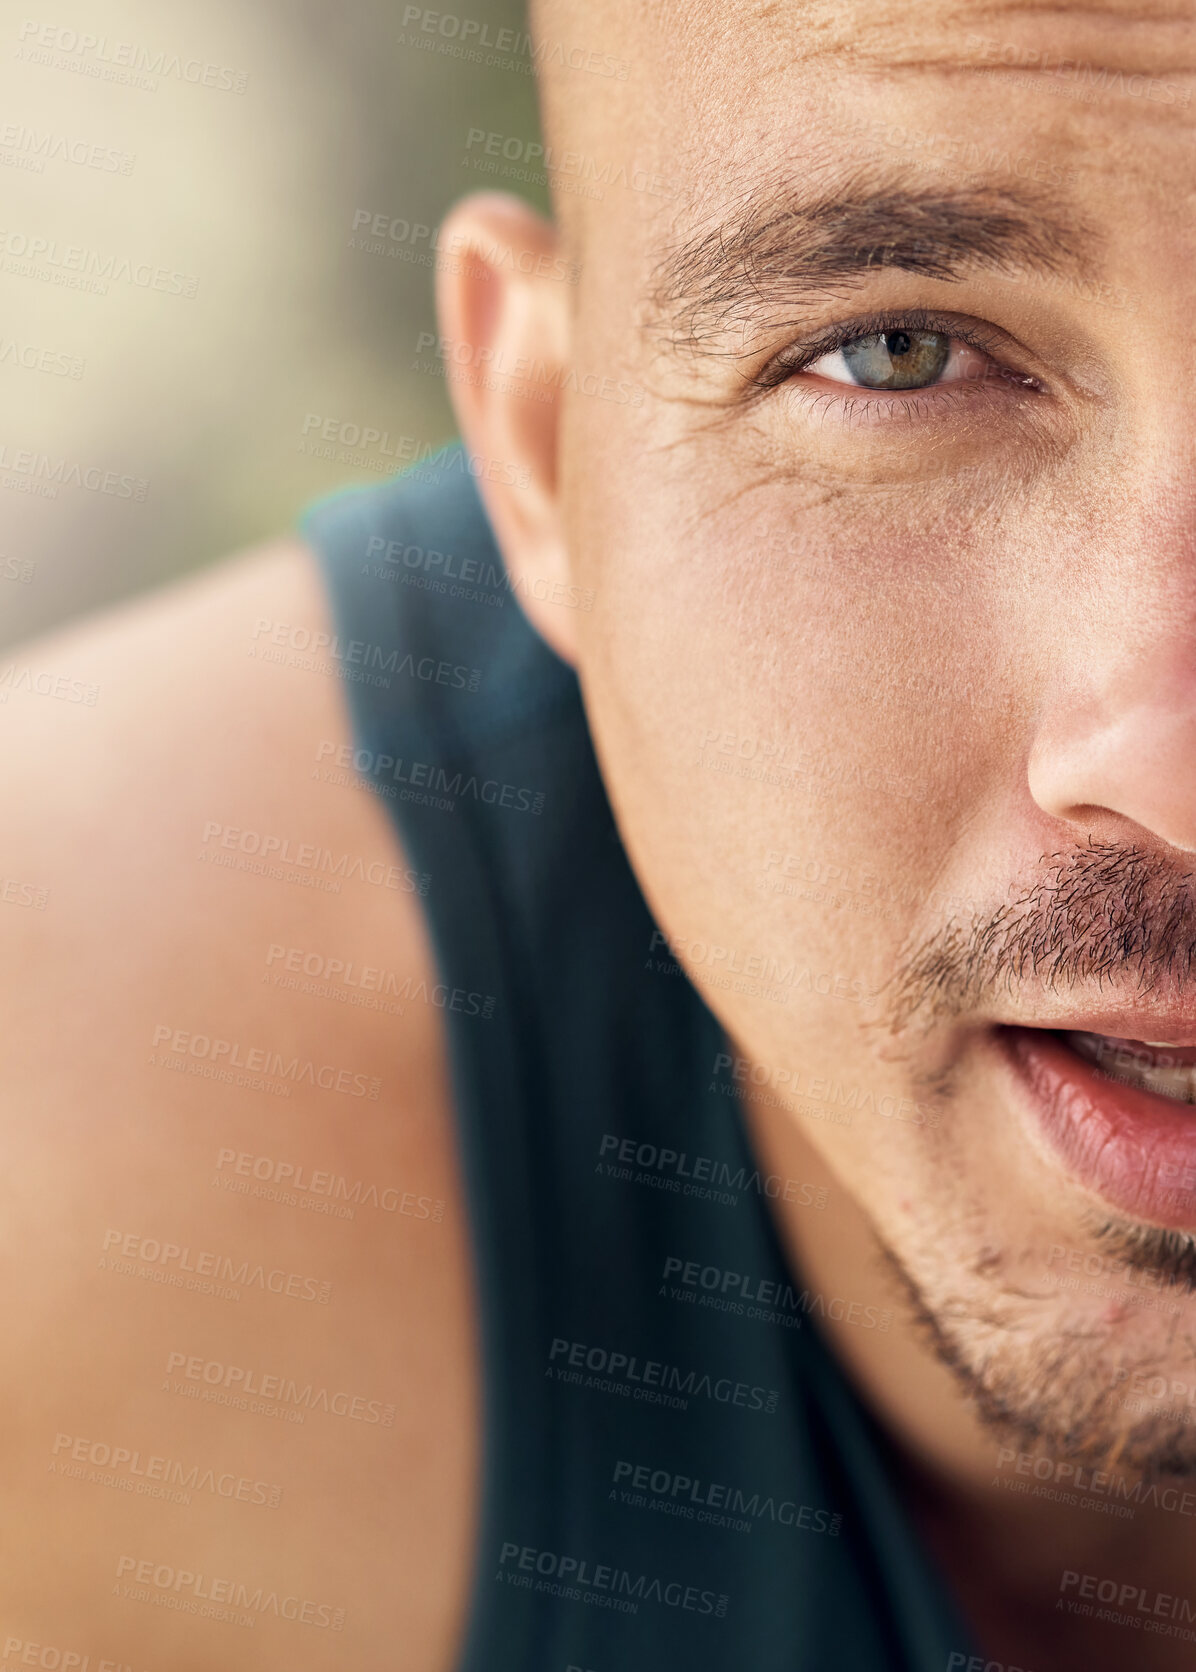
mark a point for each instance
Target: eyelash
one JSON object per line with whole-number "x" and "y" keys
{"x": 797, "y": 357}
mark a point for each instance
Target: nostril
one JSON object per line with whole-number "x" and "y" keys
{"x": 1124, "y": 758}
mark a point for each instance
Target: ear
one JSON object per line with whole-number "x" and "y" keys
{"x": 502, "y": 303}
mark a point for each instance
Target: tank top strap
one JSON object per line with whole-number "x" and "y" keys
{"x": 675, "y": 1471}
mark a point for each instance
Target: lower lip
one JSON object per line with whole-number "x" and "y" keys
{"x": 1134, "y": 1150}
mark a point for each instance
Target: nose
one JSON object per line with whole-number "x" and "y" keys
{"x": 1123, "y": 747}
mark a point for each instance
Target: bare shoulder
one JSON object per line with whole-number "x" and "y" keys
{"x": 172, "y": 818}
{"x": 233, "y": 1212}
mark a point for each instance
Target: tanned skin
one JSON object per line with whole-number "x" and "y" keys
{"x": 960, "y": 617}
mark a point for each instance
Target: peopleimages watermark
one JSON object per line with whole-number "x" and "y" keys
{"x": 769, "y": 761}
{"x": 473, "y": 579}
{"x": 650, "y": 1380}
{"x": 40, "y": 682}
{"x": 30, "y": 471}
{"x": 151, "y": 1475}
{"x": 1126, "y": 1604}
{"x": 765, "y": 1300}
{"x": 184, "y": 1590}
{"x": 516, "y": 158}
{"x": 62, "y": 47}
{"x": 699, "y": 1176}
{"x": 321, "y": 864}
{"x": 404, "y": 240}
{"x": 222, "y": 1056}
{"x": 225, "y": 1275}
{"x": 758, "y": 974}
{"x": 1181, "y": 1176}
{"x": 425, "y": 776}
{"x": 318, "y": 1189}
{"x": 30, "y": 895}
{"x": 1105, "y": 1490}
{"x": 269, "y": 1393}
{"x": 580, "y": 1580}
{"x": 51, "y": 362}
{"x": 473, "y": 41}
{"x": 408, "y": 449}
{"x": 1084, "y": 1271}
{"x": 318, "y": 976}
{"x": 1078, "y": 76}
{"x": 709, "y": 1503}
{"x": 523, "y": 374}
{"x": 341, "y": 979}
{"x": 319, "y": 651}
{"x": 77, "y": 267}
{"x": 34, "y": 147}
{"x": 963, "y": 153}
{"x": 960, "y": 1661}
{"x": 839, "y": 1100}
{"x": 1166, "y": 1398}
{"x": 53, "y": 1658}
{"x": 811, "y": 877}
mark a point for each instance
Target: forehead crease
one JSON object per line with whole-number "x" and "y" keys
{"x": 888, "y": 34}
{"x": 1118, "y": 12}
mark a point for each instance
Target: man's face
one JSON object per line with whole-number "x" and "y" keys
{"x": 892, "y": 663}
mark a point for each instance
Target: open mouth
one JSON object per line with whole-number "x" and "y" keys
{"x": 1119, "y": 1113}
{"x": 1164, "y": 1069}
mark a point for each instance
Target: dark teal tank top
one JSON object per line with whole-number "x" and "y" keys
{"x": 676, "y": 1477}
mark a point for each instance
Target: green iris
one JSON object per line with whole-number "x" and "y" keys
{"x": 897, "y": 359}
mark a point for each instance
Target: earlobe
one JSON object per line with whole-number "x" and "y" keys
{"x": 504, "y": 323}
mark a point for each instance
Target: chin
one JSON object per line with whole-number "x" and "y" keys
{"x": 1063, "y": 1349}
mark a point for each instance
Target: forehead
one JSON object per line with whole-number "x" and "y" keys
{"x": 741, "y": 82}
{"x": 883, "y": 34}
{"x": 1086, "y": 107}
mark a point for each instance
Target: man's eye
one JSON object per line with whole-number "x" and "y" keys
{"x": 901, "y": 359}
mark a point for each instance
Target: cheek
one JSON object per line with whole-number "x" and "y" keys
{"x": 782, "y": 685}
{"x": 776, "y": 730}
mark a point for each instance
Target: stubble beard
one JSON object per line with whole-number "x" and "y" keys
{"x": 1050, "y": 1378}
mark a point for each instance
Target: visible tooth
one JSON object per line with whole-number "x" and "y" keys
{"x": 1119, "y": 1061}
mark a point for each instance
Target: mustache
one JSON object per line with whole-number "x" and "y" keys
{"x": 1097, "y": 915}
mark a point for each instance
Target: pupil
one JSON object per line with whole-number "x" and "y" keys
{"x": 898, "y": 359}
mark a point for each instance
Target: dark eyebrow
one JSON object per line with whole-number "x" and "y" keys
{"x": 779, "y": 251}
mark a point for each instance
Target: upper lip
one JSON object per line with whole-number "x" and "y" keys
{"x": 1139, "y": 1016}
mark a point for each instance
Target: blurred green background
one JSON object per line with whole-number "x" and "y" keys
{"x": 133, "y": 169}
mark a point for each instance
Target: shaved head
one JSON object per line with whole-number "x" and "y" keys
{"x": 886, "y": 512}
{"x": 676, "y": 97}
